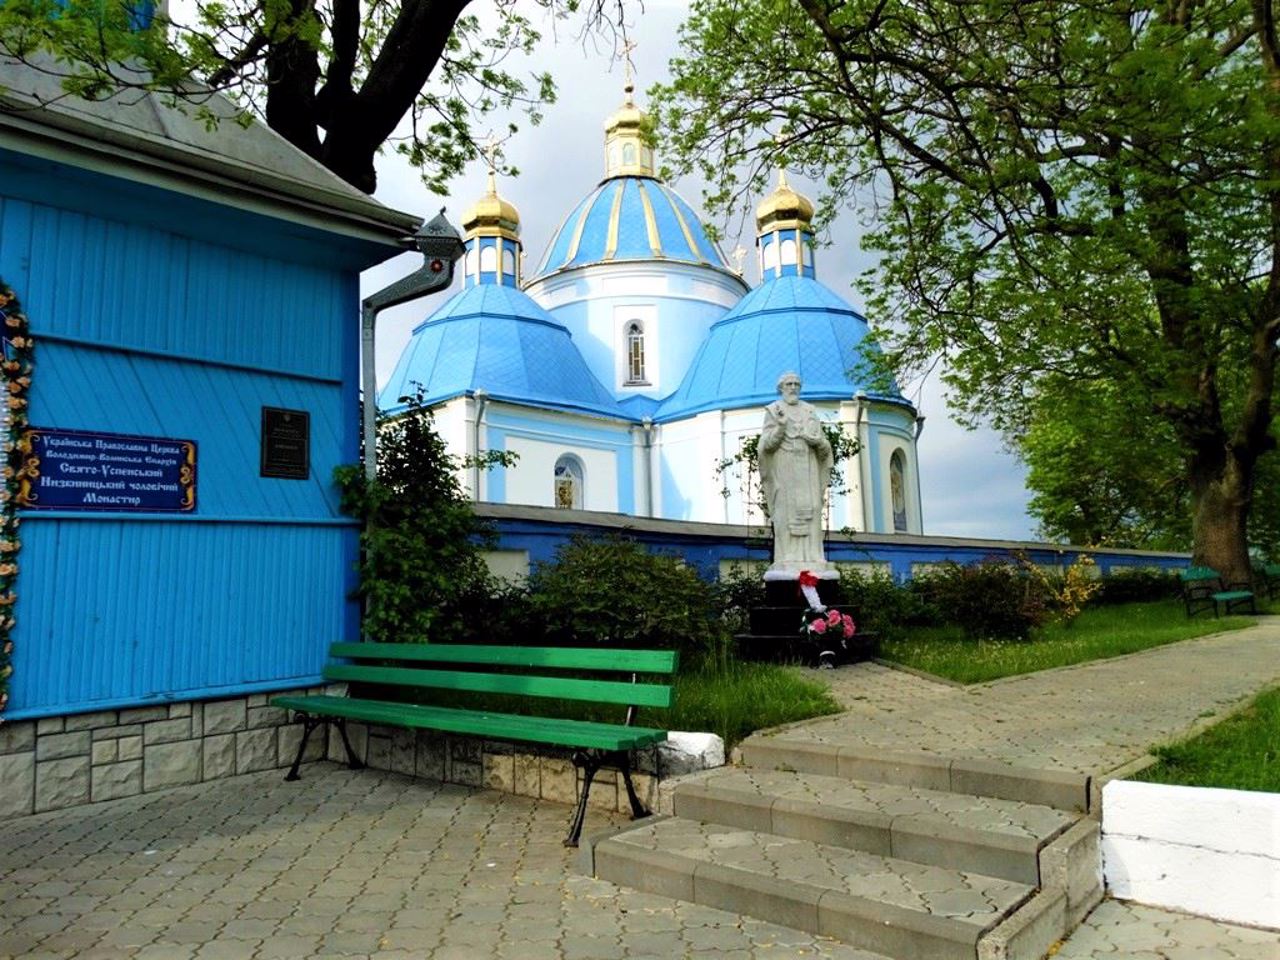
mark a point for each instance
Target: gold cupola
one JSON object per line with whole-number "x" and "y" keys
{"x": 492, "y": 216}
{"x": 626, "y": 152}
{"x": 784, "y": 208}
{"x": 491, "y": 238}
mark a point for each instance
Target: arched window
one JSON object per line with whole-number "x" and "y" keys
{"x": 568, "y": 483}
{"x": 628, "y": 154}
{"x": 508, "y": 260}
{"x": 898, "y": 490}
{"x": 473, "y": 260}
{"x": 771, "y": 255}
{"x": 488, "y": 259}
{"x": 788, "y": 252}
{"x": 635, "y": 352}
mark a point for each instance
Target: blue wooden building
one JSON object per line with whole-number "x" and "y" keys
{"x": 179, "y": 282}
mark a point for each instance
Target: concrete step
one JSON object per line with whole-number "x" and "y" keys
{"x": 985, "y": 778}
{"x": 998, "y": 838}
{"x": 891, "y": 906}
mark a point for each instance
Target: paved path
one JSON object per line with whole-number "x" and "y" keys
{"x": 374, "y": 864}
{"x": 1090, "y": 718}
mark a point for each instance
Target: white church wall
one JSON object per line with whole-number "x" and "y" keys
{"x": 688, "y": 452}
{"x": 540, "y": 438}
{"x": 683, "y": 301}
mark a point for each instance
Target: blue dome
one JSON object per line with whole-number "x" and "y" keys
{"x": 630, "y": 218}
{"x": 788, "y": 323}
{"x": 497, "y": 339}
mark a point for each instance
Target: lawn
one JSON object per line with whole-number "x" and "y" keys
{"x": 1099, "y": 632}
{"x": 1240, "y": 753}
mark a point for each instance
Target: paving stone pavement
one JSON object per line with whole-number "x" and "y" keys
{"x": 1089, "y": 718}
{"x": 341, "y": 864}
{"x": 1130, "y": 931}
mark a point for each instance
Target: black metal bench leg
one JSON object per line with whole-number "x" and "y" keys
{"x": 353, "y": 762}
{"x": 310, "y": 723}
{"x": 638, "y": 809}
{"x": 589, "y": 763}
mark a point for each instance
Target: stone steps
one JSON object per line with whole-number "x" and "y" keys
{"x": 999, "y": 838}
{"x": 890, "y": 906}
{"x": 911, "y": 856}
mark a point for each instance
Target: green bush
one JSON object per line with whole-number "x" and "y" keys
{"x": 422, "y": 576}
{"x": 1138, "y": 586}
{"x": 613, "y": 592}
{"x": 992, "y": 599}
{"x": 882, "y": 605}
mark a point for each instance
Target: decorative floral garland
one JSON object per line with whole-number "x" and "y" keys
{"x": 17, "y": 364}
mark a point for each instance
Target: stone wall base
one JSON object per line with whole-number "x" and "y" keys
{"x": 59, "y": 762}
{"x": 529, "y": 771}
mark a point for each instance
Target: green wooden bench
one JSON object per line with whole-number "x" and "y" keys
{"x": 1271, "y": 579}
{"x": 1203, "y": 589}
{"x": 541, "y": 674}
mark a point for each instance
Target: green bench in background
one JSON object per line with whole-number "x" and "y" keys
{"x": 1203, "y": 589}
{"x": 541, "y": 675}
{"x": 1271, "y": 579}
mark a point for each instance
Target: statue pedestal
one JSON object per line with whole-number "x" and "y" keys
{"x": 775, "y": 635}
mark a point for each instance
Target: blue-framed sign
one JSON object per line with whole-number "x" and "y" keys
{"x": 81, "y": 470}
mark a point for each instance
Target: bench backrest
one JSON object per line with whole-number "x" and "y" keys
{"x": 1272, "y": 569}
{"x": 1192, "y": 574}
{"x": 416, "y": 665}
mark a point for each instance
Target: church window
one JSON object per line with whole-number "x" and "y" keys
{"x": 488, "y": 260}
{"x": 788, "y": 252}
{"x": 628, "y": 154}
{"x": 568, "y": 483}
{"x": 635, "y": 352}
{"x": 898, "y": 491}
{"x": 473, "y": 260}
{"x": 771, "y": 255}
{"x": 508, "y": 260}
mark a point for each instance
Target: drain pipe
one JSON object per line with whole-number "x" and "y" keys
{"x": 481, "y": 397}
{"x": 441, "y": 248}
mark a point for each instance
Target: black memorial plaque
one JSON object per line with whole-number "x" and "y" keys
{"x": 286, "y": 443}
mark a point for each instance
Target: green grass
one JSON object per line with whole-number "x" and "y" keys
{"x": 1099, "y": 632}
{"x": 1240, "y": 753}
{"x": 734, "y": 699}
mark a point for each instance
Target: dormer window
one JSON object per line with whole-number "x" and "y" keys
{"x": 635, "y": 353}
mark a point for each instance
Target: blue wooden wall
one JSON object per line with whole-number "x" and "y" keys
{"x": 166, "y": 316}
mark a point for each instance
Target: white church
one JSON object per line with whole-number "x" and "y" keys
{"x": 635, "y": 360}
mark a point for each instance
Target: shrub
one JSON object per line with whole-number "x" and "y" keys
{"x": 993, "y": 599}
{"x": 883, "y": 605}
{"x": 1138, "y": 586}
{"x": 611, "y": 591}
{"x": 421, "y": 572}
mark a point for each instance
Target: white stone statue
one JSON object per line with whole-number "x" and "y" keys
{"x": 795, "y": 470}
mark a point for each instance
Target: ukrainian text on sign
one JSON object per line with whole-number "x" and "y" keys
{"x": 80, "y": 470}
{"x": 286, "y": 444}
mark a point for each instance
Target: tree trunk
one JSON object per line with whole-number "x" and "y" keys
{"x": 1221, "y": 502}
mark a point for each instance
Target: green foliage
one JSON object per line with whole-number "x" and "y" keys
{"x": 882, "y": 605}
{"x": 990, "y": 600}
{"x": 1062, "y": 195}
{"x": 1135, "y": 586}
{"x": 1101, "y": 631}
{"x": 1240, "y": 753}
{"x": 613, "y": 592}
{"x": 422, "y": 576}
{"x": 338, "y": 79}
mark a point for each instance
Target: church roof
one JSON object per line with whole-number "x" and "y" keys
{"x": 787, "y": 323}
{"x": 631, "y": 218}
{"x": 495, "y": 338}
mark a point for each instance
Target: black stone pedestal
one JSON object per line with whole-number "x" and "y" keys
{"x": 777, "y": 634}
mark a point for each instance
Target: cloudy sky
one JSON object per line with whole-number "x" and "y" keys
{"x": 970, "y": 486}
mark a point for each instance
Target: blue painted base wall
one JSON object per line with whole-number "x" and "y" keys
{"x": 541, "y": 531}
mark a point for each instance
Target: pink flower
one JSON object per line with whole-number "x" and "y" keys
{"x": 818, "y": 626}
{"x": 848, "y": 630}
{"x": 833, "y": 618}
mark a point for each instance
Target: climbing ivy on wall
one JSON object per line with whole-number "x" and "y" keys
{"x": 17, "y": 364}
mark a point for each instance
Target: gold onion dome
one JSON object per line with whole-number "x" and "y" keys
{"x": 626, "y": 152}
{"x": 492, "y": 216}
{"x": 784, "y": 208}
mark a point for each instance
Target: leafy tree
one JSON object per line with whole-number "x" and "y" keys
{"x": 333, "y": 77}
{"x": 1062, "y": 190}
{"x": 422, "y": 575}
